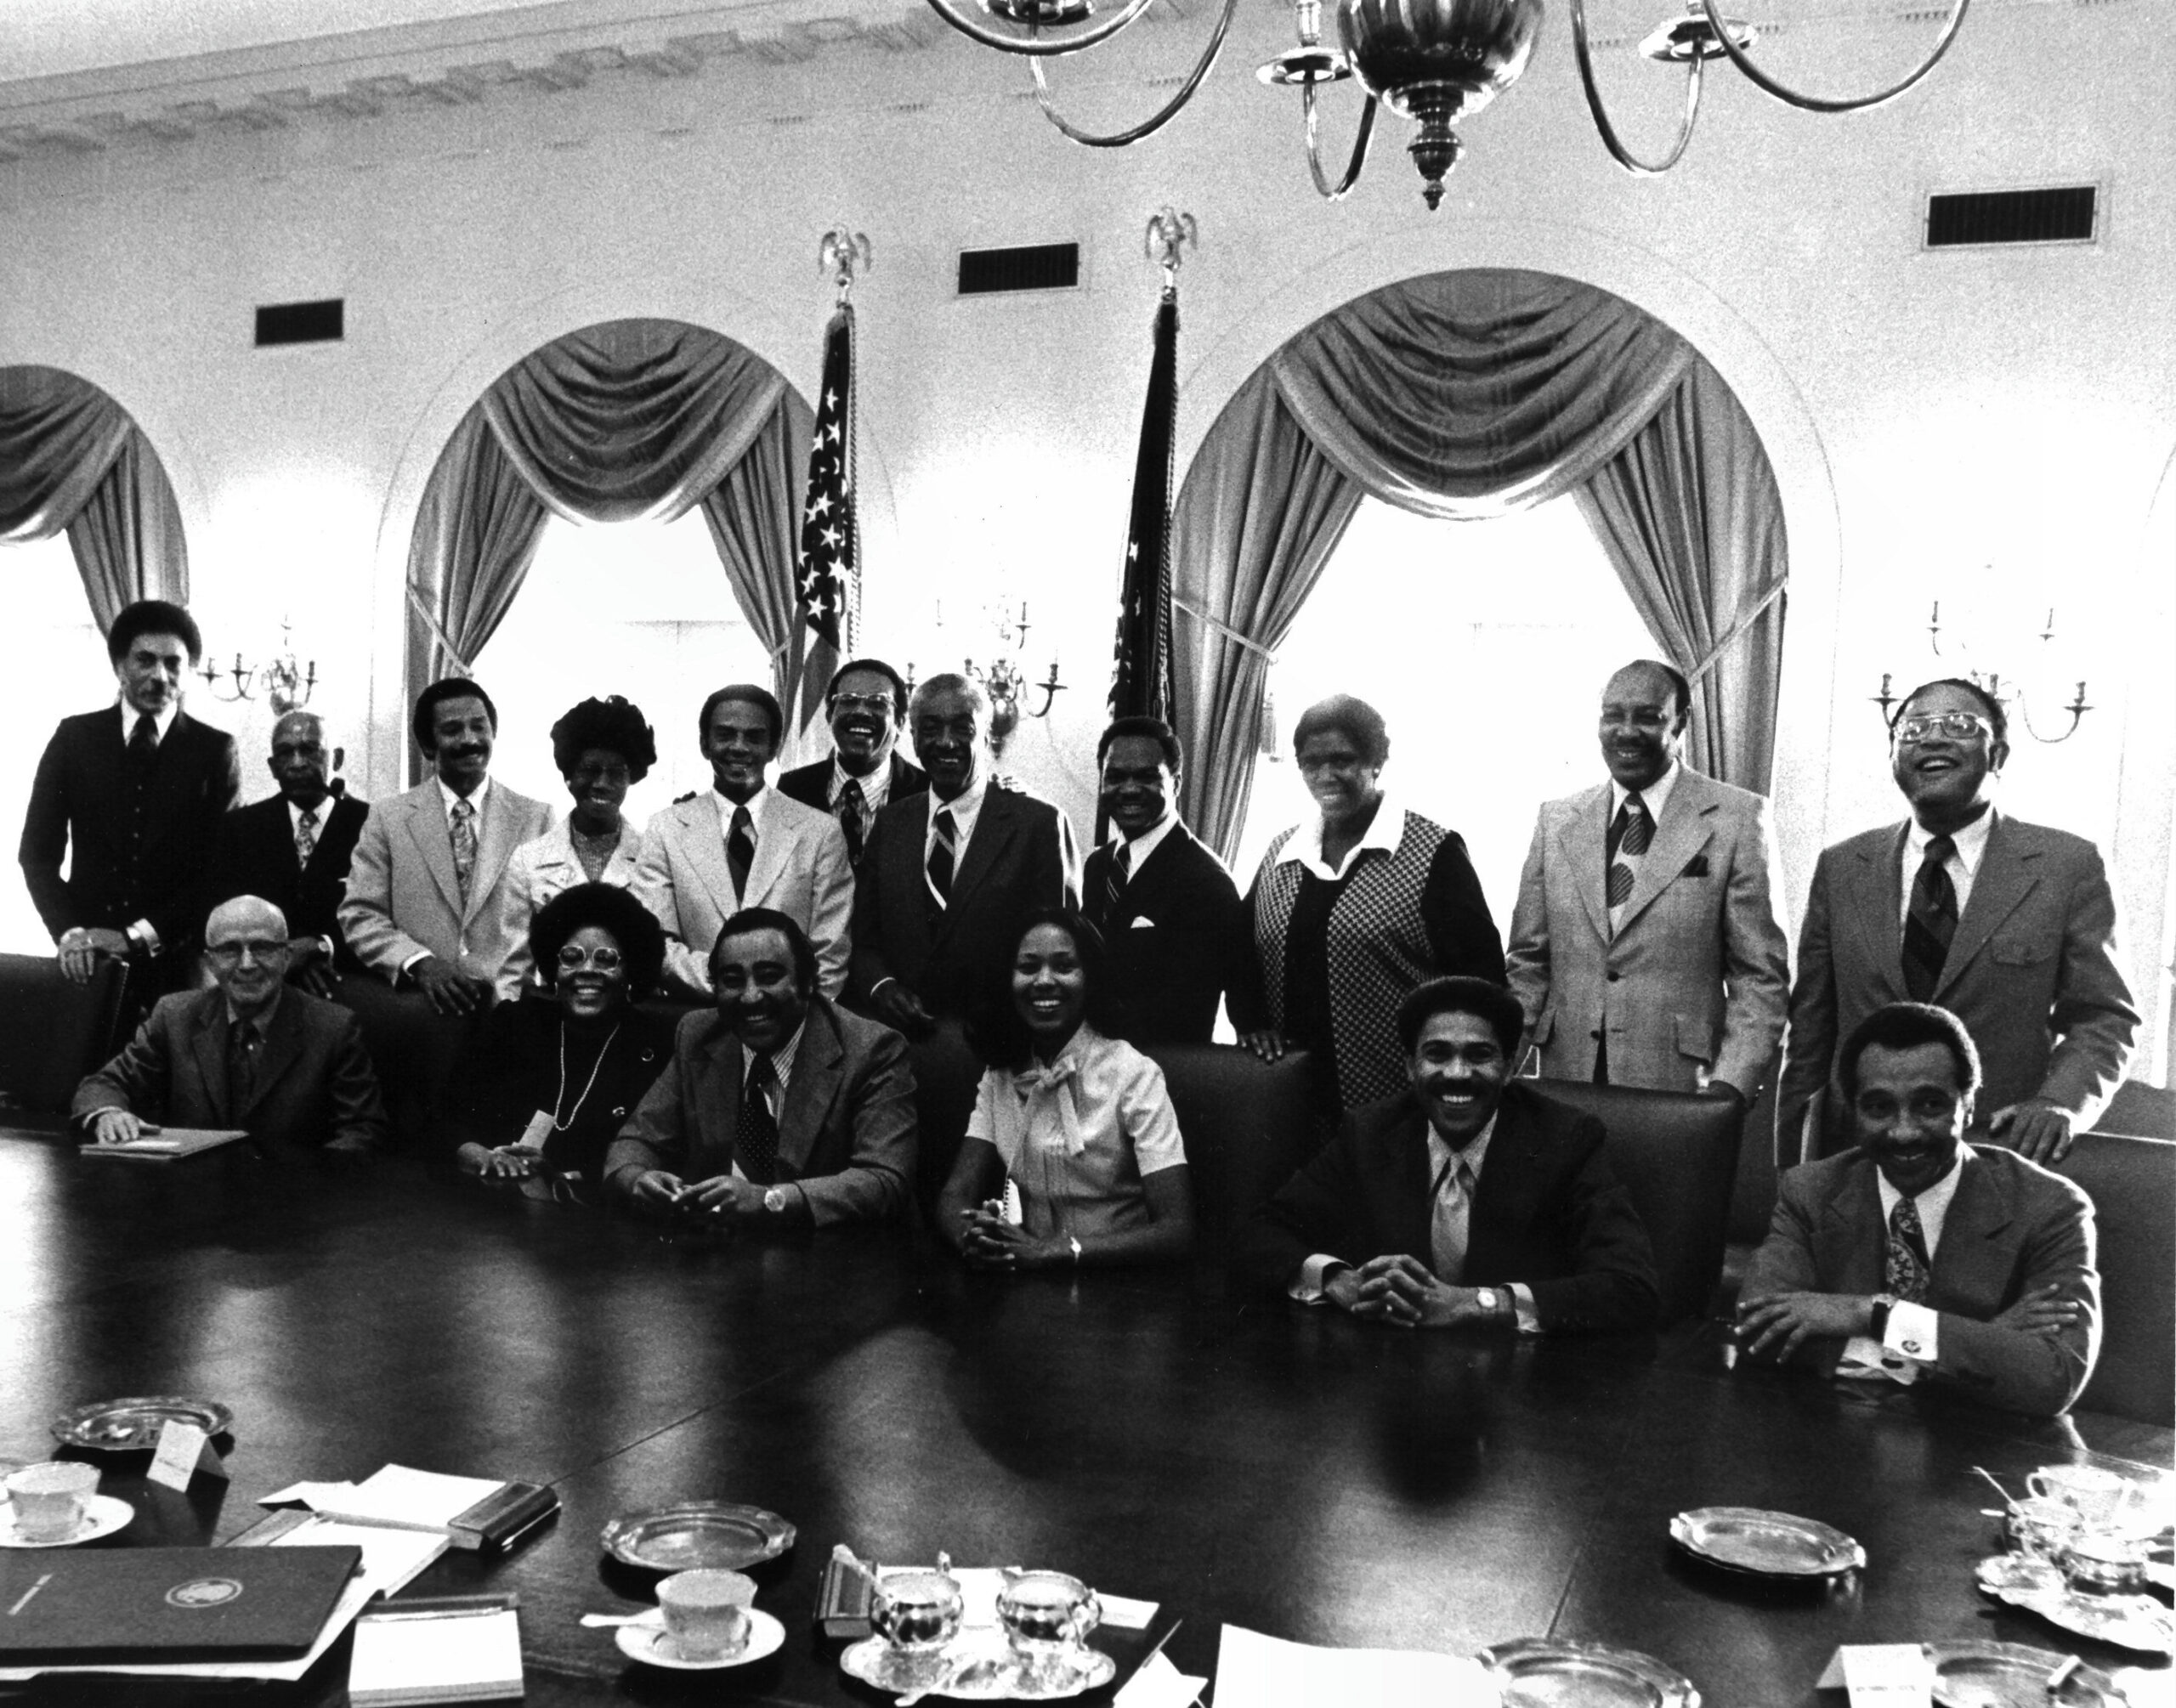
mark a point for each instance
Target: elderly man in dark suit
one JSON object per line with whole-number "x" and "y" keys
{"x": 285, "y": 1066}
{"x": 866, "y": 706}
{"x": 779, "y": 1110}
{"x": 2010, "y": 926}
{"x": 293, "y": 851}
{"x": 1171, "y": 916}
{"x": 1917, "y": 1256}
{"x": 131, "y": 796}
{"x": 1471, "y": 1200}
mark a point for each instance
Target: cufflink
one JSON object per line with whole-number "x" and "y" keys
{"x": 774, "y": 1200}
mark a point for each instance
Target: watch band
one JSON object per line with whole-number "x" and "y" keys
{"x": 1877, "y": 1322}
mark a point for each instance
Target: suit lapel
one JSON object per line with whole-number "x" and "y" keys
{"x": 1851, "y": 1243}
{"x": 716, "y": 1095}
{"x": 427, "y": 831}
{"x": 1686, "y": 826}
{"x": 495, "y": 841}
{"x": 817, "y": 1075}
{"x": 995, "y": 826}
{"x": 1407, "y": 1146}
{"x": 210, "y": 1046}
{"x": 1966, "y": 1265}
{"x": 703, "y": 833}
{"x": 1584, "y": 838}
{"x": 1877, "y": 902}
{"x": 774, "y": 844}
{"x": 2006, "y": 877}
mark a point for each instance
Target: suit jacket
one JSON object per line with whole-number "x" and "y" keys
{"x": 1692, "y": 985}
{"x": 2032, "y": 970}
{"x": 1548, "y": 1212}
{"x": 253, "y": 854}
{"x": 800, "y": 869}
{"x": 535, "y": 872}
{"x": 846, "y": 1134}
{"x": 1173, "y": 938}
{"x": 811, "y": 784}
{"x": 121, "y": 872}
{"x": 2012, "y": 1227}
{"x": 313, "y": 1085}
{"x": 1020, "y": 858}
{"x": 403, "y": 898}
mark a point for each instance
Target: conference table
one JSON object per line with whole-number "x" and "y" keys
{"x": 1243, "y": 1461}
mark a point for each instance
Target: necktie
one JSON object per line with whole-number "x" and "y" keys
{"x": 944, "y": 852}
{"x": 1115, "y": 880}
{"x": 144, "y": 740}
{"x": 756, "y": 1136}
{"x": 1931, "y": 921}
{"x": 1449, "y": 1219}
{"x": 853, "y": 809}
{"x": 305, "y": 836}
{"x": 241, "y": 1066}
{"x": 740, "y": 850}
{"x": 1630, "y": 834}
{"x": 464, "y": 846}
{"x": 1908, "y": 1264}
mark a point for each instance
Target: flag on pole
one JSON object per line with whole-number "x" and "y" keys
{"x": 1140, "y": 674}
{"x": 826, "y": 588}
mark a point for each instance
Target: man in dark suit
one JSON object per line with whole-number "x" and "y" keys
{"x": 779, "y": 1110}
{"x": 293, "y": 851}
{"x": 2010, "y": 926}
{"x": 131, "y": 796}
{"x": 1170, "y": 916}
{"x": 281, "y": 1064}
{"x": 1508, "y": 1195}
{"x": 1918, "y": 1257}
{"x": 865, "y": 706}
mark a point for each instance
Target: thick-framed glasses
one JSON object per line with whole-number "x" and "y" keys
{"x": 875, "y": 705}
{"x": 1957, "y": 726}
{"x": 604, "y": 960}
{"x": 259, "y": 948}
{"x": 619, "y": 774}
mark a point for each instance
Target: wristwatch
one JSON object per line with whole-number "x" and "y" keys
{"x": 1878, "y": 1320}
{"x": 774, "y": 1199}
{"x": 1488, "y": 1299}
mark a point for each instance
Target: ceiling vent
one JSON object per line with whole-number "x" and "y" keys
{"x": 1036, "y": 267}
{"x": 1982, "y": 218}
{"x": 302, "y": 323}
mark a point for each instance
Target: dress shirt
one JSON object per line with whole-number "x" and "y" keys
{"x": 1654, "y": 797}
{"x": 1148, "y": 841}
{"x": 1963, "y": 866}
{"x": 161, "y": 723}
{"x": 447, "y": 796}
{"x": 261, "y": 1020}
{"x": 727, "y": 806}
{"x": 875, "y": 787}
{"x": 1306, "y": 846}
{"x": 1912, "y": 1335}
{"x": 966, "y": 807}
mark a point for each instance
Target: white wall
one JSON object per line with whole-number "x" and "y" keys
{"x": 1928, "y": 415}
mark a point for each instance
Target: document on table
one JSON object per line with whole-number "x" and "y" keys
{"x": 351, "y": 1602}
{"x": 1258, "y": 1671}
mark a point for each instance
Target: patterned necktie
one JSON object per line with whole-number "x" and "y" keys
{"x": 464, "y": 846}
{"x": 943, "y": 853}
{"x": 756, "y": 1136}
{"x": 853, "y": 810}
{"x": 305, "y": 836}
{"x": 1114, "y": 882}
{"x": 1908, "y": 1264}
{"x": 144, "y": 740}
{"x": 1630, "y": 834}
{"x": 740, "y": 850}
{"x": 1931, "y": 922}
{"x": 1450, "y": 1220}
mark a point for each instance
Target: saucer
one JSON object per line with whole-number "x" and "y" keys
{"x": 649, "y": 1644}
{"x": 103, "y": 1515}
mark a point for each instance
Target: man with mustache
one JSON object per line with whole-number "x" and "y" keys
{"x": 2008, "y": 925}
{"x": 866, "y": 706}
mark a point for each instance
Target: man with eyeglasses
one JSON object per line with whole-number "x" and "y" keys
{"x": 252, "y": 1052}
{"x": 866, "y": 706}
{"x": 2008, "y": 925}
{"x": 1917, "y": 1256}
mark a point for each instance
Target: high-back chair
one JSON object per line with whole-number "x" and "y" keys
{"x": 53, "y": 1032}
{"x": 1246, "y": 1123}
{"x": 2132, "y": 1185}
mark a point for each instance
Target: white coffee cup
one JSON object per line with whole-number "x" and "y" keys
{"x": 707, "y": 1612}
{"x": 2097, "y": 1495}
{"x": 49, "y": 1499}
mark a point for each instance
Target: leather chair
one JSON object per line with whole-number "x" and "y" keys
{"x": 413, "y": 1049}
{"x": 53, "y": 1033}
{"x": 1246, "y": 1125}
{"x": 2132, "y": 1185}
{"x": 1676, "y": 1155}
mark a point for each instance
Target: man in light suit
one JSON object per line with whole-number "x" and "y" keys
{"x": 281, "y": 1064}
{"x": 779, "y": 1110}
{"x": 1644, "y": 947}
{"x": 2010, "y": 926}
{"x": 422, "y": 907}
{"x": 1918, "y": 1257}
{"x": 744, "y": 845}
{"x": 866, "y": 706}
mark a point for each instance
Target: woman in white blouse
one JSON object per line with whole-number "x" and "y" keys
{"x": 1078, "y": 1124}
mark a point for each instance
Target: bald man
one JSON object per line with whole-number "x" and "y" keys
{"x": 252, "y": 1052}
{"x": 293, "y": 850}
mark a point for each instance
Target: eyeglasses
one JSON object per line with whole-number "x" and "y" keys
{"x": 601, "y": 773}
{"x": 605, "y": 960}
{"x": 1957, "y": 726}
{"x": 262, "y": 948}
{"x": 877, "y": 705}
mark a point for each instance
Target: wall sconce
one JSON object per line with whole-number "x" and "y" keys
{"x": 286, "y": 684}
{"x": 2012, "y": 693}
{"x": 1002, "y": 681}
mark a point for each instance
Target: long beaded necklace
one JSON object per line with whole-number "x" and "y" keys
{"x": 597, "y": 1067}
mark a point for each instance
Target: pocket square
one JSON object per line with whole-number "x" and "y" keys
{"x": 1140, "y": 924}
{"x": 1696, "y": 868}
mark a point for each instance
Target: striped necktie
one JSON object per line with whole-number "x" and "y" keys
{"x": 943, "y": 856}
{"x": 1114, "y": 882}
{"x": 1630, "y": 834}
{"x": 1931, "y": 922}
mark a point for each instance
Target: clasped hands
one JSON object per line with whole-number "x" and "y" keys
{"x": 988, "y": 1241}
{"x": 451, "y": 991}
{"x": 1406, "y": 1293}
{"x": 722, "y": 1196}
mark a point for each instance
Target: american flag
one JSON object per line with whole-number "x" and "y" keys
{"x": 1140, "y": 673}
{"x": 830, "y": 539}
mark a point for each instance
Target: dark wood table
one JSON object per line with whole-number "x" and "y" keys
{"x": 1293, "y": 1472}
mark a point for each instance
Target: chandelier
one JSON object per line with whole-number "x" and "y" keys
{"x": 1435, "y": 62}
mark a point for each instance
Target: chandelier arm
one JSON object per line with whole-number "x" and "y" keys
{"x": 1034, "y": 47}
{"x": 1610, "y": 140}
{"x": 1163, "y": 114}
{"x": 1824, "y": 104}
{"x": 1338, "y": 191}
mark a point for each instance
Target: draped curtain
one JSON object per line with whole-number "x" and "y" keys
{"x": 1469, "y": 395}
{"x": 71, "y": 458}
{"x": 630, "y": 420}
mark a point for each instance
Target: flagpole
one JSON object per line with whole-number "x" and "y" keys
{"x": 827, "y": 583}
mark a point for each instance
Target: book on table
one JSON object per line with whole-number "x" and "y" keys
{"x": 151, "y": 1605}
{"x": 166, "y": 1144}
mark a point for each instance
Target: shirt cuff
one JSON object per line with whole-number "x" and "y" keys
{"x": 1308, "y": 1286}
{"x": 1914, "y": 1331}
{"x": 409, "y": 965}
{"x": 145, "y": 932}
{"x": 325, "y": 946}
{"x": 1523, "y": 1302}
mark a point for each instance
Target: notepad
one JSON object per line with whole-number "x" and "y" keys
{"x": 168, "y": 1144}
{"x": 1258, "y": 1671}
{"x": 462, "y": 1650}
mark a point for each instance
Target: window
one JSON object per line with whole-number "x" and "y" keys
{"x": 1485, "y": 645}
{"x": 640, "y": 609}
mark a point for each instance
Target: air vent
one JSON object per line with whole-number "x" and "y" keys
{"x": 1036, "y": 267}
{"x": 2066, "y": 215}
{"x": 302, "y": 323}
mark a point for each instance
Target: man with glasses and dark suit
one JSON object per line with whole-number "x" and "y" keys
{"x": 865, "y": 706}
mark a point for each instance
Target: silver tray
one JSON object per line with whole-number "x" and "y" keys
{"x": 2010, "y": 1675}
{"x": 977, "y": 1665}
{"x": 132, "y": 1426}
{"x": 697, "y": 1533}
{"x": 2136, "y": 1622}
{"x": 1540, "y": 1672}
{"x": 1775, "y": 1544}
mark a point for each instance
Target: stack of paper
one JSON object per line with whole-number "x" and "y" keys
{"x": 472, "y": 1511}
{"x": 393, "y": 1557}
{"x": 1258, "y": 1671}
{"x": 461, "y": 1650}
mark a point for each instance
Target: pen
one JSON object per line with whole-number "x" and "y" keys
{"x": 1158, "y": 1648}
{"x": 445, "y": 1607}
